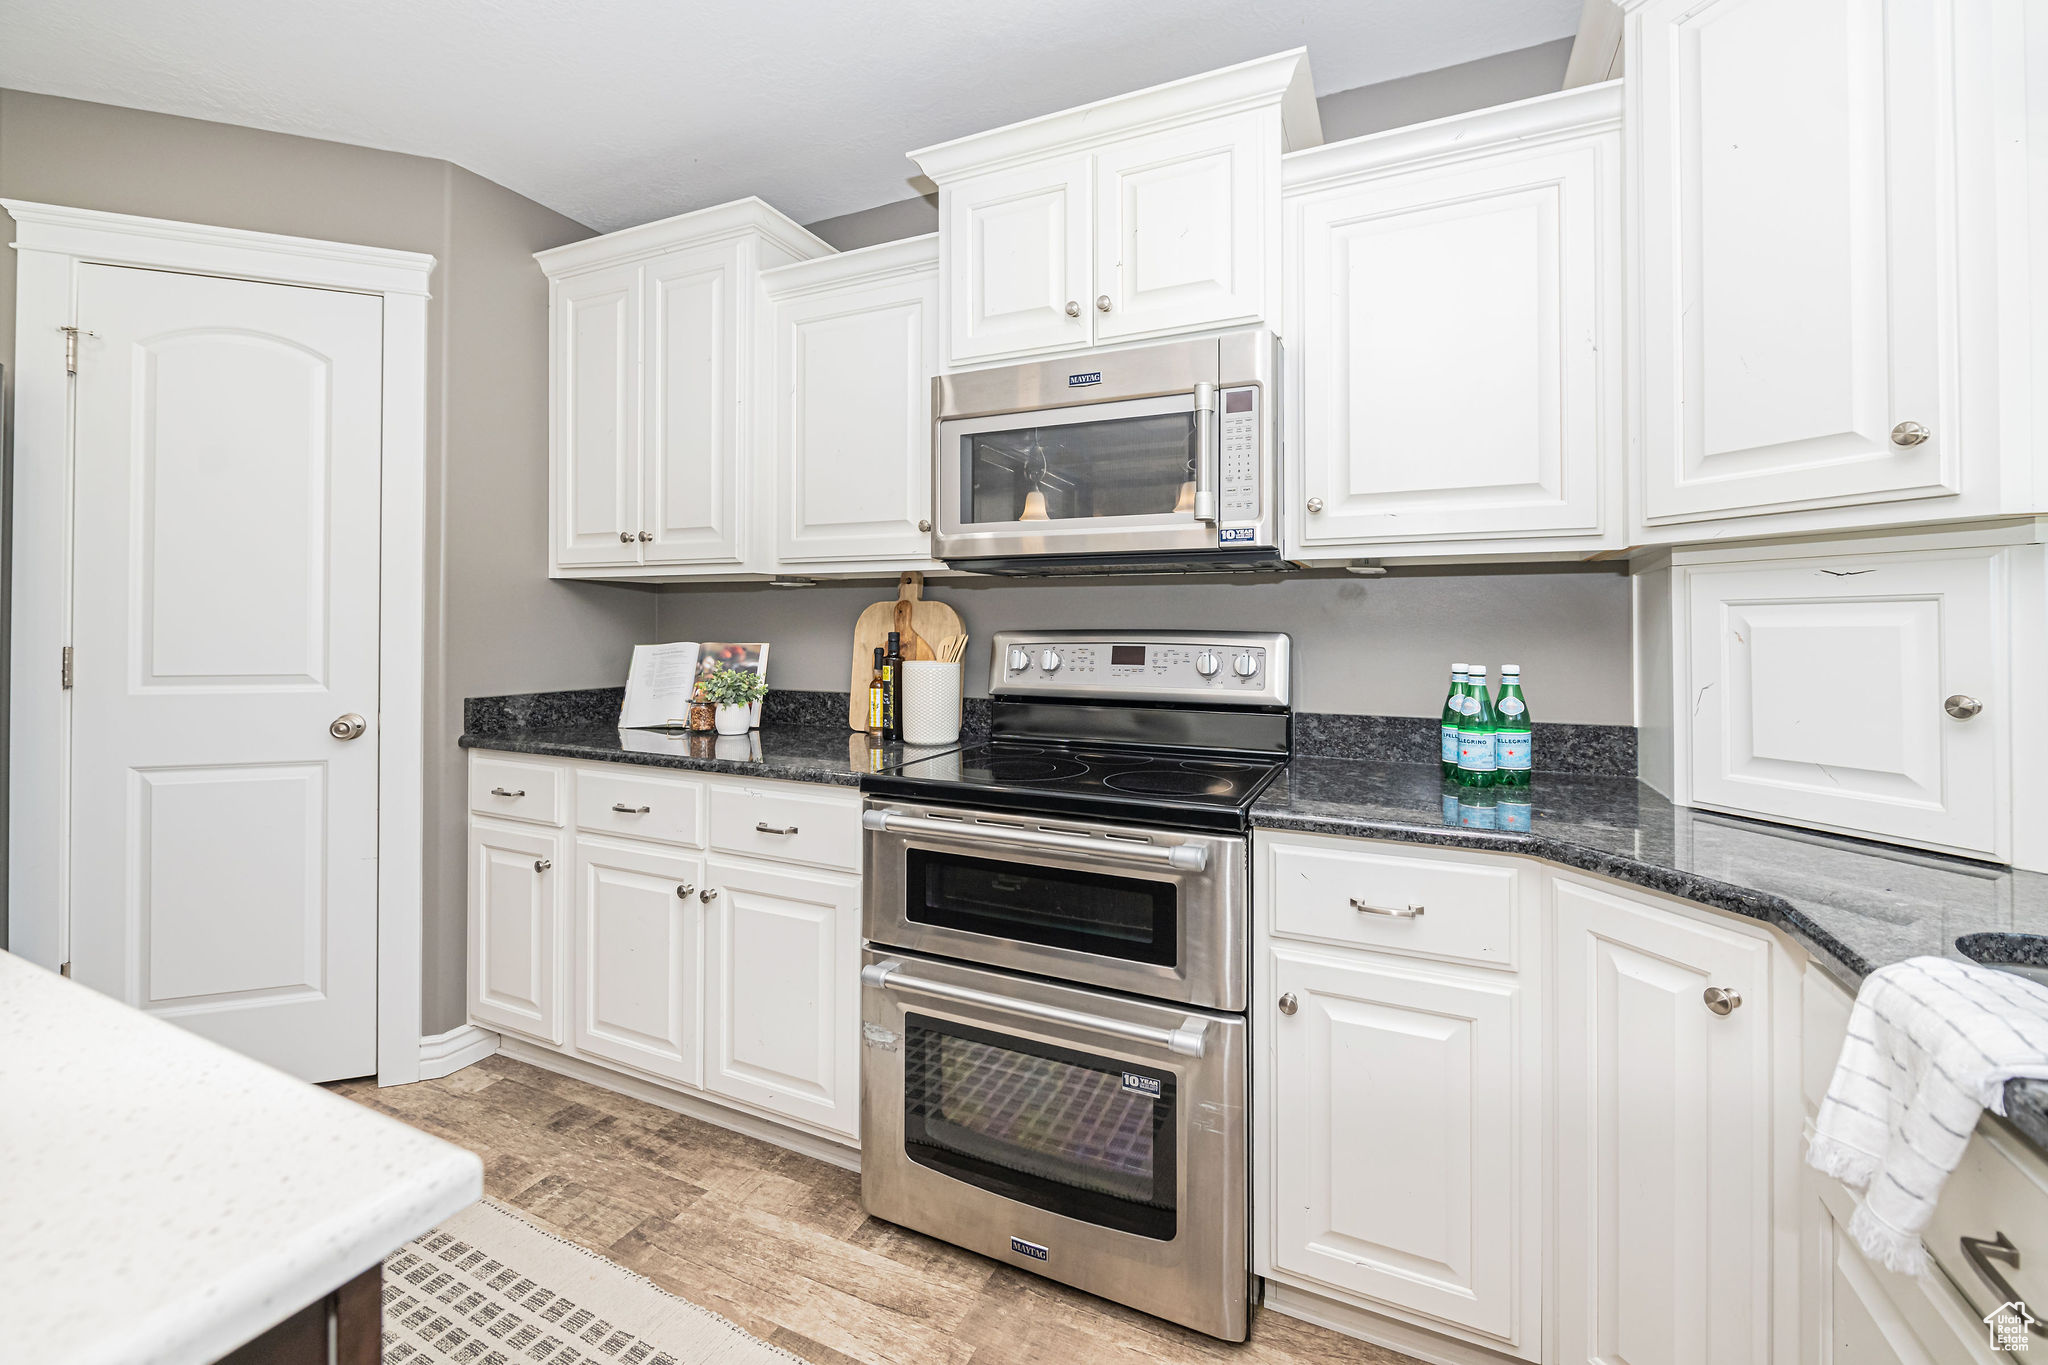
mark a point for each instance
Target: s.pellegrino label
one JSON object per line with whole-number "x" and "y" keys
{"x": 1476, "y": 757}
{"x": 1514, "y": 751}
{"x": 1454, "y": 710}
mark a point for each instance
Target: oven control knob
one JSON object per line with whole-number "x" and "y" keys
{"x": 1246, "y": 665}
{"x": 1020, "y": 659}
{"x": 1206, "y": 663}
{"x": 1050, "y": 661}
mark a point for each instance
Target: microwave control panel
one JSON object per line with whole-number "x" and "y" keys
{"x": 1239, "y": 483}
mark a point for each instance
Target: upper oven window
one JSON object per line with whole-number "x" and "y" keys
{"x": 1140, "y": 466}
{"x": 1127, "y": 918}
{"x": 1060, "y": 1130}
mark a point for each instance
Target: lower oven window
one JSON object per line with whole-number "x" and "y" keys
{"x": 1127, "y": 918}
{"x": 1060, "y": 1130}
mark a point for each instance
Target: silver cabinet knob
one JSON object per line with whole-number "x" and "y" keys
{"x": 350, "y": 726}
{"x": 1288, "y": 1004}
{"x": 543, "y": 864}
{"x": 1721, "y": 1000}
{"x": 685, "y": 891}
{"x": 924, "y": 524}
{"x": 1315, "y": 504}
{"x": 625, "y": 537}
{"x": 1073, "y": 308}
{"x": 1962, "y": 707}
{"x": 1102, "y": 303}
{"x": 646, "y": 535}
{"x": 708, "y": 894}
{"x": 1909, "y": 434}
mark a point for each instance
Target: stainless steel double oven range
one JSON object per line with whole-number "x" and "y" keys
{"x": 1054, "y": 1060}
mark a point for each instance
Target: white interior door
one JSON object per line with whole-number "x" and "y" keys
{"x": 225, "y": 611}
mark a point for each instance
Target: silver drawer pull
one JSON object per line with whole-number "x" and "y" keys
{"x": 624, "y": 809}
{"x": 1191, "y": 1039}
{"x": 1187, "y": 857}
{"x": 1980, "y": 1254}
{"x": 766, "y": 828}
{"x": 500, "y": 791}
{"x": 1406, "y": 912}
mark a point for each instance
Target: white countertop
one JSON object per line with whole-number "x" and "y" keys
{"x": 163, "y": 1200}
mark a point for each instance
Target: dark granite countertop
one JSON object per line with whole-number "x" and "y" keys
{"x": 832, "y": 755}
{"x": 1854, "y": 905}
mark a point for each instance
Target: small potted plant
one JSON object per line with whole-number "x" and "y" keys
{"x": 734, "y": 691}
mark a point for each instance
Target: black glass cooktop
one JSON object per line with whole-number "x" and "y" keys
{"x": 1162, "y": 787}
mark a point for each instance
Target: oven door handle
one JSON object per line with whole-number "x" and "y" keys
{"x": 1186, "y": 857}
{"x": 1205, "y": 453}
{"x": 1191, "y": 1039}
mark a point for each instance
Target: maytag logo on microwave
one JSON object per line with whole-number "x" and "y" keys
{"x": 1076, "y": 381}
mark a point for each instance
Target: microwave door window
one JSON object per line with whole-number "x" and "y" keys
{"x": 1123, "y": 467}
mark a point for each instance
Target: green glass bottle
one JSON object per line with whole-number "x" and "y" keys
{"x": 1514, "y": 753}
{"x": 1476, "y": 762}
{"x": 1454, "y": 702}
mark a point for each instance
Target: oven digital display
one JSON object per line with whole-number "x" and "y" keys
{"x": 1127, "y": 656}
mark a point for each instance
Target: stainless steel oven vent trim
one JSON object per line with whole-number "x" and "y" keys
{"x": 1187, "y": 857}
{"x": 1190, "y": 1039}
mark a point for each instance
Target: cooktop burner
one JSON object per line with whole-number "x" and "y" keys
{"x": 1166, "y": 782}
{"x": 1033, "y": 769}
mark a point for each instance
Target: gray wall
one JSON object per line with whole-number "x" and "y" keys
{"x": 495, "y": 622}
{"x": 1375, "y": 646}
{"x": 1500, "y": 79}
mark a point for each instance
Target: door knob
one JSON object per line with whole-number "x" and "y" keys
{"x": 1909, "y": 434}
{"x": 1315, "y": 504}
{"x": 1288, "y": 1004}
{"x": 1102, "y": 303}
{"x": 1073, "y": 308}
{"x": 708, "y": 894}
{"x": 350, "y": 726}
{"x": 1721, "y": 1000}
{"x": 1962, "y": 707}
{"x": 542, "y": 864}
{"x": 684, "y": 891}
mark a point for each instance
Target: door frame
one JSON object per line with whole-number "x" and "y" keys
{"x": 51, "y": 242}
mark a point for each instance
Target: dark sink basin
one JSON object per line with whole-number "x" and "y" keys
{"x": 2024, "y": 955}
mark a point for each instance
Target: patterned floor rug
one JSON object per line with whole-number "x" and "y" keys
{"x": 489, "y": 1288}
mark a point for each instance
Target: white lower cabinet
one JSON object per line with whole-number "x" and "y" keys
{"x": 729, "y": 977}
{"x": 1664, "y": 1133}
{"x": 779, "y": 997}
{"x": 638, "y": 949}
{"x": 1856, "y": 1313}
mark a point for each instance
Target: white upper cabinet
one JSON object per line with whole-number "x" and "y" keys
{"x": 1143, "y": 216}
{"x": 1827, "y": 246}
{"x": 651, "y": 354}
{"x": 848, "y": 418}
{"x": 1454, "y": 326}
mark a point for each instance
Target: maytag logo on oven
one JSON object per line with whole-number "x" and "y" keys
{"x": 1142, "y": 1085}
{"x": 1079, "y": 381}
{"x": 1024, "y": 1248}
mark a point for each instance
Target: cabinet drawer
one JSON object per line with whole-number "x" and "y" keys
{"x": 1464, "y": 911}
{"x": 2000, "y": 1189}
{"x": 513, "y": 790}
{"x": 640, "y": 805}
{"x": 788, "y": 826}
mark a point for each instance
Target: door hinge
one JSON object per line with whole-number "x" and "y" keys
{"x": 67, "y": 666}
{"x": 71, "y": 336}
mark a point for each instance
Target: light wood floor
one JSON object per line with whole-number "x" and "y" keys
{"x": 777, "y": 1241}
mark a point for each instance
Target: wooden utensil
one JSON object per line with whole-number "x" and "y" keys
{"x": 927, "y": 620}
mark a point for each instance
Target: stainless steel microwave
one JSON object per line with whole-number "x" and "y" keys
{"x": 1155, "y": 457}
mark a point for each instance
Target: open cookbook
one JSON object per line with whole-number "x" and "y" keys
{"x": 662, "y": 678}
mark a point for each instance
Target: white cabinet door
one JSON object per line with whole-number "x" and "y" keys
{"x": 637, "y": 956}
{"x": 1457, "y": 333}
{"x": 595, "y": 376}
{"x": 1398, "y": 1174}
{"x": 515, "y": 928}
{"x": 782, "y": 992}
{"x": 1792, "y": 169}
{"x": 1181, "y": 232}
{"x": 853, "y": 388}
{"x": 1819, "y": 688}
{"x": 691, "y": 475}
{"x": 1856, "y": 1313}
{"x": 1015, "y": 253}
{"x": 1662, "y": 1134}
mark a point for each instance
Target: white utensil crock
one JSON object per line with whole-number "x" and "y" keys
{"x": 931, "y": 702}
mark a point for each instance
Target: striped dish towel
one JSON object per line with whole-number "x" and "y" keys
{"x": 1931, "y": 1044}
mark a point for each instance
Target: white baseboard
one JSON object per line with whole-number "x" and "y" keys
{"x": 444, "y": 1054}
{"x": 1380, "y": 1331}
{"x": 833, "y": 1151}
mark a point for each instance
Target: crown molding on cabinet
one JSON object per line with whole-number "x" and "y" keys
{"x": 883, "y": 261}
{"x": 718, "y": 223}
{"x": 1281, "y": 79}
{"x": 1460, "y": 137}
{"x": 164, "y": 244}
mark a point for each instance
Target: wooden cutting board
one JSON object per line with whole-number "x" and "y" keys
{"x": 923, "y": 624}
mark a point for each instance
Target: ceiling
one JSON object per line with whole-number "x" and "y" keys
{"x": 616, "y": 112}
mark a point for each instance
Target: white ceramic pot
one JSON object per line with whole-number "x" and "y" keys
{"x": 734, "y": 720}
